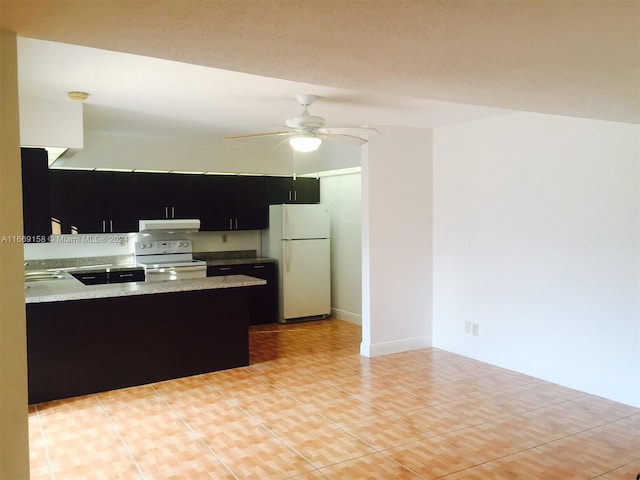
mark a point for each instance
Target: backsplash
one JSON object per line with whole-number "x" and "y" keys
{"x": 122, "y": 245}
{"x": 64, "y": 263}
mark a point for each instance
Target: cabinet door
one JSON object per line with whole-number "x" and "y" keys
{"x": 215, "y": 193}
{"x": 249, "y": 208}
{"x": 263, "y": 307}
{"x": 263, "y": 299}
{"x": 61, "y": 200}
{"x": 277, "y": 190}
{"x": 153, "y": 195}
{"x": 89, "y": 202}
{"x": 35, "y": 194}
{"x": 287, "y": 190}
{"x": 183, "y": 195}
{"x": 122, "y": 201}
{"x": 306, "y": 190}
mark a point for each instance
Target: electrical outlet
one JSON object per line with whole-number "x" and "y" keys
{"x": 224, "y": 238}
{"x": 467, "y": 327}
{"x": 475, "y": 329}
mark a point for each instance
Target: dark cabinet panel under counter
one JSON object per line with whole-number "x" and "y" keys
{"x": 92, "y": 278}
{"x": 263, "y": 305}
{"x": 116, "y": 336}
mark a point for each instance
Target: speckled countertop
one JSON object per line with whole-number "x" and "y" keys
{"x": 68, "y": 288}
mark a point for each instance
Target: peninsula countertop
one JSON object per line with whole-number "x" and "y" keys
{"x": 68, "y": 288}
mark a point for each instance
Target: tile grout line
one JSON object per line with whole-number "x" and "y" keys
{"x": 198, "y": 437}
{"x": 124, "y": 444}
{"x": 262, "y": 425}
{"x": 44, "y": 441}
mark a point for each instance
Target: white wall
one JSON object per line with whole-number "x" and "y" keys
{"x": 536, "y": 239}
{"x": 342, "y": 194}
{"x": 396, "y": 241}
{"x": 51, "y": 123}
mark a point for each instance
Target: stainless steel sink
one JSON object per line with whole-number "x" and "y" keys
{"x": 42, "y": 275}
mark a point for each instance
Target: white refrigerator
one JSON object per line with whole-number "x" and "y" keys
{"x": 298, "y": 238}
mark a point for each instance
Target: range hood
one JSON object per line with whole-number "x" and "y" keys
{"x": 171, "y": 224}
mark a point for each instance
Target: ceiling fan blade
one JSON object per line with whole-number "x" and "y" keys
{"x": 347, "y": 130}
{"x": 337, "y": 137}
{"x": 256, "y": 135}
{"x": 281, "y": 143}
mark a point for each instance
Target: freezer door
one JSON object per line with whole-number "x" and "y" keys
{"x": 306, "y": 280}
{"x": 305, "y": 221}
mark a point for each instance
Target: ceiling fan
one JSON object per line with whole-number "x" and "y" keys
{"x": 306, "y": 132}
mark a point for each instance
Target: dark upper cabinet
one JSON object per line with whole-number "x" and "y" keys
{"x": 89, "y": 202}
{"x": 61, "y": 199}
{"x": 96, "y": 202}
{"x": 216, "y": 202}
{"x": 35, "y": 195}
{"x": 121, "y": 196}
{"x": 167, "y": 195}
{"x": 229, "y": 202}
{"x": 250, "y": 209}
{"x": 287, "y": 190}
{"x": 93, "y": 202}
{"x": 183, "y": 192}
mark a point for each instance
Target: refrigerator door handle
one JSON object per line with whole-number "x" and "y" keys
{"x": 287, "y": 255}
{"x": 286, "y": 224}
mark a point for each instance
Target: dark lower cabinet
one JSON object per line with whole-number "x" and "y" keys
{"x": 263, "y": 299}
{"x": 92, "y": 278}
{"x": 88, "y": 346}
{"x": 127, "y": 275}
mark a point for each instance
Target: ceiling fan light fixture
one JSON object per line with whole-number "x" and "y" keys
{"x": 305, "y": 143}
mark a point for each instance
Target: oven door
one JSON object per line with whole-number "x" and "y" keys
{"x": 165, "y": 273}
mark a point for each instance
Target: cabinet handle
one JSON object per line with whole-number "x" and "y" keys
{"x": 258, "y": 266}
{"x": 236, "y": 223}
{"x": 123, "y": 275}
{"x": 173, "y": 212}
{"x": 88, "y": 277}
{"x": 166, "y": 212}
{"x": 295, "y": 195}
{"x": 104, "y": 226}
{"x": 289, "y": 195}
{"x": 230, "y": 224}
{"x": 224, "y": 268}
{"x": 111, "y": 226}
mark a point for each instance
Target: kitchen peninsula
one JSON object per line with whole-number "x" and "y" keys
{"x": 85, "y": 339}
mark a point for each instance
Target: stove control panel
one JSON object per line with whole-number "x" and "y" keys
{"x": 163, "y": 247}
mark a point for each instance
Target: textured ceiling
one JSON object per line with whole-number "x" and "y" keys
{"x": 573, "y": 57}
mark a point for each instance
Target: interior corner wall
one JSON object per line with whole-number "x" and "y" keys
{"x": 14, "y": 438}
{"x": 536, "y": 239}
{"x": 396, "y": 241}
{"x": 342, "y": 195}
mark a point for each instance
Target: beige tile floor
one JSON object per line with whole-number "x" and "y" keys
{"x": 310, "y": 408}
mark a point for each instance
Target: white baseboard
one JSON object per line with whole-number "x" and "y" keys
{"x": 346, "y": 316}
{"x": 397, "y": 346}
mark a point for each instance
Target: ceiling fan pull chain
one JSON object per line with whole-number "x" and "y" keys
{"x": 294, "y": 165}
